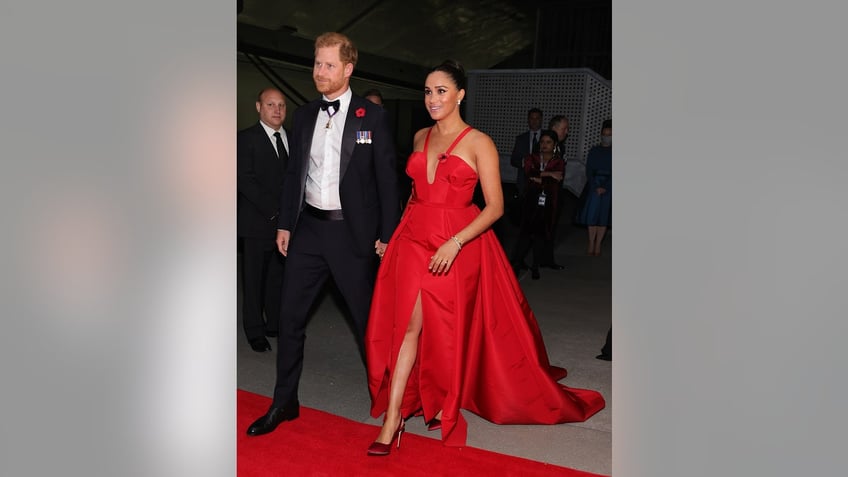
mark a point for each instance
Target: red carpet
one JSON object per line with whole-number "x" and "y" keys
{"x": 321, "y": 444}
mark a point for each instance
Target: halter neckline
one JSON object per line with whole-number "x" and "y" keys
{"x": 453, "y": 144}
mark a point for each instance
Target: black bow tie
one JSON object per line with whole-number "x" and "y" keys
{"x": 327, "y": 104}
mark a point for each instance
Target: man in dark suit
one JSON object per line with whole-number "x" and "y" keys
{"x": 525, "y": 143}
{"x": 262, "y": 153}
{"x": 339, "y": 207}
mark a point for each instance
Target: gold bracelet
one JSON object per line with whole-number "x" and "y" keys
{"x": 457, "y": 241}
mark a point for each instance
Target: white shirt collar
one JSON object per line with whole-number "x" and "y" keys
{"x": 270, "y": 131}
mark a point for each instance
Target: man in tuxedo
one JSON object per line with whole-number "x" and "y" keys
{"x": 525, "y": 143}
{"x": 262, "y": 153}
{"x": 339, "y": 207}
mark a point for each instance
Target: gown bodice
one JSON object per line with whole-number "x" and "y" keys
{"x": 454, "y": 181}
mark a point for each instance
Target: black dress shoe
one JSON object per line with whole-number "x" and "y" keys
{"x": 260, "y": 344}
{"x": 604, "y": 357}
{"x": 271, "y": 334}
{"x": 534, "y": 273}
{"x": 553, "y": 266}
{"x": 273, "y": 418}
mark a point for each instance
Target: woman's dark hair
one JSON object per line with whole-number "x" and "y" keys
{"x": 550, "y": 134}
{"x": 453, "y": 69}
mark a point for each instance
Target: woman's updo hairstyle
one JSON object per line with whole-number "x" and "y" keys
{"x": 453, "y": 69}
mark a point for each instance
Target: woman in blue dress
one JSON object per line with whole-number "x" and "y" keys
{"x": 595, "y": 213}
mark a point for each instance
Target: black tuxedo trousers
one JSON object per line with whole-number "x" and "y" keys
{"x": 321, "y": 249}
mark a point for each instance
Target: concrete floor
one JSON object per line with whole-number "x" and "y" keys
{"x": 573, "y": 307}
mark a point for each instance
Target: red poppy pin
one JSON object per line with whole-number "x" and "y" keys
{"x": 360, "y": 113}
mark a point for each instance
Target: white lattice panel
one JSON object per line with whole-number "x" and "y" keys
{"x": 498, "y": 101}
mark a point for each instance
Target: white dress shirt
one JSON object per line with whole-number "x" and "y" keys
{"x": 323, "y": 178}
{"x": 534, "y": 135}
{"x": 270, "y": 132}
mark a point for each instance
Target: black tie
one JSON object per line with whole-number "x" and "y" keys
{"x": 535, "y": 142}
{"x": 327, "y": 104}
{"x": 281, "y": 150}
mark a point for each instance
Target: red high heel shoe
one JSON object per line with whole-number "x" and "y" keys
{"x": 434, "y": 424}
{"x": 379, "y": 449}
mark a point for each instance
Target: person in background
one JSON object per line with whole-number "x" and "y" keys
{"x": 374, "y": 96}
{"x": 526, "y": 143}
{"x": 261, "y": 157}
{"x": 606, "y": 350}
{"x": 559, "y": 125}
{"x": 597, "y": 204}
{"x": 338, "y": 207}
{"x": 544, "y": 171}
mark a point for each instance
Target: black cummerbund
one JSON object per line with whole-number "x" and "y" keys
{"x": 323, "y": 214}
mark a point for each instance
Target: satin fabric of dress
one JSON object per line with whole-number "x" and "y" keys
{"x": 480, "y": 346}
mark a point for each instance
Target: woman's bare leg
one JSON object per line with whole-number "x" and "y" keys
{"x": 593, "y": 233}
{"x": 405, "y": 361}
{"x": 602, "y": 230}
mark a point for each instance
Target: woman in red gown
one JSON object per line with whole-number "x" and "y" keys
{"x": 449, "y": 327}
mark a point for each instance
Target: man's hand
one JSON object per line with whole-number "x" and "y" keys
{"x": 283, "y": 237}
{"x": 379, "y": 248}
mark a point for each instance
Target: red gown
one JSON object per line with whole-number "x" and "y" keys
{"x": 480, "y": 347}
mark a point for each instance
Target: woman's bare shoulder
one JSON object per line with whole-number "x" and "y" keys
{"x": 418, "y": 139}
{"x": 421, "y": 133}
{"x": 480, "y": 139}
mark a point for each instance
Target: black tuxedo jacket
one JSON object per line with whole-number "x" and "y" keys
{"x": 521, "y": 149}
{"x": 260, "y": 176}
{"x": 368, "y": 175}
